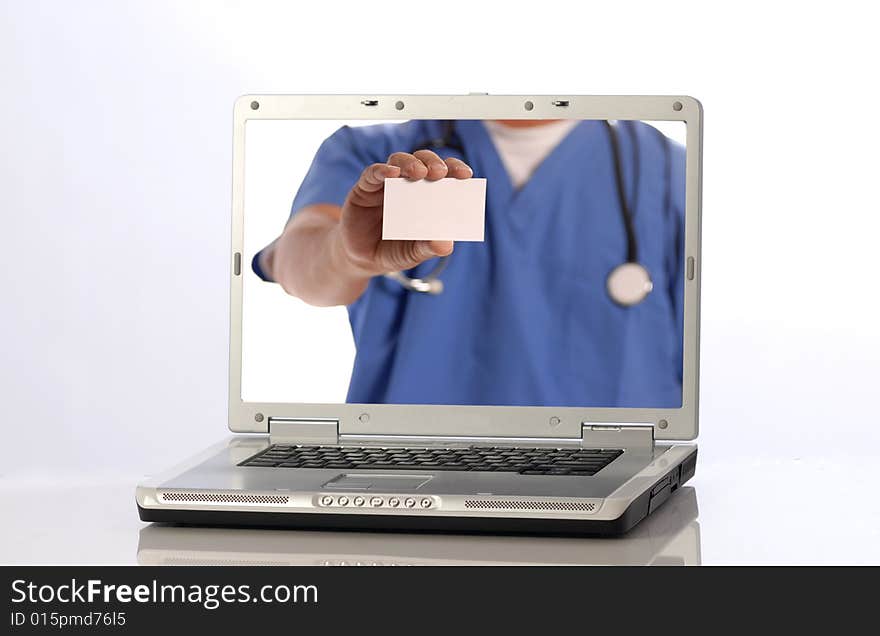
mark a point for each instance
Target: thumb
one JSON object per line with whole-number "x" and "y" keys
{"x": 441, "y": 248}
{"x": 425, "y": 250}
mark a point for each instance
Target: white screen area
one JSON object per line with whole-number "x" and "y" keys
{"x": 292, "y": 351}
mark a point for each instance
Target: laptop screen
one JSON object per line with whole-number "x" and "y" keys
{"x": 507, "y": 263}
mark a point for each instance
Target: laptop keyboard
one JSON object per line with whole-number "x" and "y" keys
{"x": 579, "y": 462}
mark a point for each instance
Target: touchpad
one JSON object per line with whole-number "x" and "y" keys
{"x": 379, "y": 483}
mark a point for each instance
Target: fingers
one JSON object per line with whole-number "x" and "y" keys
{"x": 373, "y": 177}
{"x": 425, "y": 164}
{"x": 410, "y": 166}
{"x": 369, "y": 189}
{"x": 422, "y": 164}
{"x": 458, "y": 169}
{"x": 437, "y": 168}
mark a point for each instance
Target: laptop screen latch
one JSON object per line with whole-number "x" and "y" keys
{"x": 628, "y": 436}
{"x": 300, "y": 431}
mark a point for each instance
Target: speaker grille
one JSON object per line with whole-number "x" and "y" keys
{"x": 214, "y": 497}
{"x": 567, "y": 506}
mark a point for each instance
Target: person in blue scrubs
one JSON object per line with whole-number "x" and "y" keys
{"x": 524, "y": 317}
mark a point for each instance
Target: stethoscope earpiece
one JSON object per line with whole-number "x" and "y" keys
{"x": 628, "y": 284}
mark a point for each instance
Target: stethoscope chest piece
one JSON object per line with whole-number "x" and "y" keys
{"x": 628, "y": 284}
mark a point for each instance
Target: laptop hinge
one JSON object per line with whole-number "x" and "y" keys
{"x": 300, "y": 431}
{"x": 628, "y": 436}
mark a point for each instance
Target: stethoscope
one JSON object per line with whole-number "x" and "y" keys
{"x": 627, "y": 284}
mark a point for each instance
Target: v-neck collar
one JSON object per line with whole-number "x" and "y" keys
{"x": 477, "y": 141}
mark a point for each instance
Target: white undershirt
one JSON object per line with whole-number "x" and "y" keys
{"x": 523, "y": 149}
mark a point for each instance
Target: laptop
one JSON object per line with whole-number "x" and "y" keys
{"x": 540, "y": 375}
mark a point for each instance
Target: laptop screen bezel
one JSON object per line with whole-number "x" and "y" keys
{"x": 539, "y": 422}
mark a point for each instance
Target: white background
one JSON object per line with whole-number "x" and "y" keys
{"x": 291, "y": 351}
{"x": 115, "y": 124}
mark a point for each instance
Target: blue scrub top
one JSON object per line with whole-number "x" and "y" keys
{"x": 524, "y": 318}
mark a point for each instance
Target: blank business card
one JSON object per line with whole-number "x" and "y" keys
{"x": 444, "y": 210}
